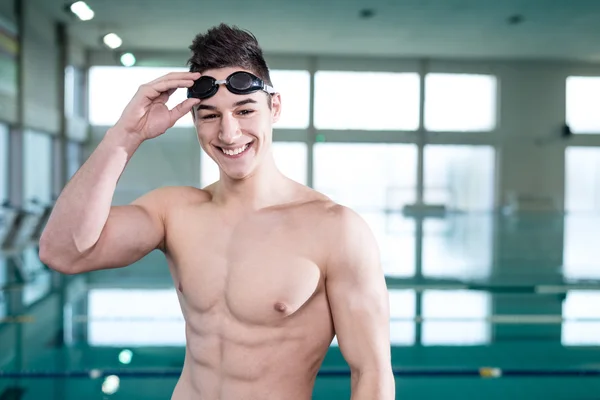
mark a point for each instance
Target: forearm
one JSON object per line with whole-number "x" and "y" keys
{"x": 83, "y": 207}
{"x": 373, "y": 385}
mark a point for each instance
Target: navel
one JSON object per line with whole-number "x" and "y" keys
{"x": 279, "y": 306}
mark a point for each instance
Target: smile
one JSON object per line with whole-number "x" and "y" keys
{"x": 236, "y": 151}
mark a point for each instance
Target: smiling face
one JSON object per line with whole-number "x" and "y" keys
{"x": 236, "y": 130}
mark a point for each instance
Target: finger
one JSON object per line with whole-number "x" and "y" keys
{"x": 182, "y": 108}
{"x": 177, "y": 76}
{"x": 164, "y": 97}
{"x": 152, "y": 91}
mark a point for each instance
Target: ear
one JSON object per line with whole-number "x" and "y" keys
{"x": 275, "y": 107}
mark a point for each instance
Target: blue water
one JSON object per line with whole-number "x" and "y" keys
{"x": 467, "y": 291}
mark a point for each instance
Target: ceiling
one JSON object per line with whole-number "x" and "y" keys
{"x": 555, "y": 29}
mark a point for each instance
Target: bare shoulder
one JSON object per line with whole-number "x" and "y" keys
{"x": 351, "y": 242}
{"x": 184, "y": 193}
{"x": 162, "y": 200}
{"x": 348, "y": 225}
{"x": 340, "y": 227}
{"x": 335, "y": 218}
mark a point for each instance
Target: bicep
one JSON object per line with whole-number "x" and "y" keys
{"x": 358, "y": 297}
{"x": 131, "y": 232}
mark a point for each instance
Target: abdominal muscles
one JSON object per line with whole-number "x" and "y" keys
{"x": 226, "y": 359}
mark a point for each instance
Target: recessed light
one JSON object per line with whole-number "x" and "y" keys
{"x": 82, "y": 10}
{"x": 128, "y": 60}
{"x": 112, "y": 40}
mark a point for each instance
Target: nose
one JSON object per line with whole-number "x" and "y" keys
{"x": 229, "y": 130}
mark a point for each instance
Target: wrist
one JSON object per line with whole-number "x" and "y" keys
{"x": 122, "y": 139}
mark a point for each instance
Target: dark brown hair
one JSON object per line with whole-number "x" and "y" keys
{"x": 228, "y": 46}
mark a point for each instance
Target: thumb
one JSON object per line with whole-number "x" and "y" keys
{"x": 182, "y": 108}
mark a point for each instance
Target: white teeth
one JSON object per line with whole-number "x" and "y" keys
{"x": 235, "y": 151}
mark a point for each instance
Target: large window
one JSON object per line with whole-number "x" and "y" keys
{"x": 4, "y": 152}
{"x": 459, "y": 246}
{"x": 583, "y": 97}
{"x": 74, "y": 90}
{"x": 37, "y": 176}
{"x": 460, "y": 102}
{"x": 390, "y": 101}
{"x": 460, "y": 177}
{"x": 582, "y": 186}
{"x": 580, "y": 258}
{"x": 377, "y": 181}
{"x": 290, "y": 158}
{"x": 111, "y": 89}
{"x": 4, "y": 181}
{"x": 37, "y": 167}
{"x": 294, "y": 87}
{"x": 582, "y": 204}
{"x": 74, "y": 155}
{"x": 365, "y": 176}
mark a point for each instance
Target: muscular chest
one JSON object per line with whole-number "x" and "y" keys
{"x": 259, "y": 271}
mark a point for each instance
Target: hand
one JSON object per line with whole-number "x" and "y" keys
{"x": 147, "y": 114}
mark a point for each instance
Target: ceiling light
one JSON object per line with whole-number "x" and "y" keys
{"x": 112, "y": 40}
{"x": 82, "y": 10}
{"x": 128, "y": 60}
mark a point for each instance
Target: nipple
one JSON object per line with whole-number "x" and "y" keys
{"x": 279, "y": 306}
{"x": 180, "y": 287}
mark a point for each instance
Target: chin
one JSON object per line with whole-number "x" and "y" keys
{"x": 238, "y": 175}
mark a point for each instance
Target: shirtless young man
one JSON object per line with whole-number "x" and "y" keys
{"x": 267, "y": 270}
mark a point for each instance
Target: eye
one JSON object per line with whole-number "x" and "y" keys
{"x": 246, "y": 112}
{"x": 209, "y": 116}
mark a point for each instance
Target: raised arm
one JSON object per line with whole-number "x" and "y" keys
{"x": 359, "y": 303}
{"x": 85, "y": 232}
{"x": 83, "y": 225}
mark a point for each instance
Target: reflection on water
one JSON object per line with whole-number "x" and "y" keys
{"x": 581, "y": 310}
{"x": 459, "y": 246}
{"x": 134, "y": 318}
{"x": 580, "y": 244}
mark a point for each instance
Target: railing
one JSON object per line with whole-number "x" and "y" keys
{"x": 482, "y": 372}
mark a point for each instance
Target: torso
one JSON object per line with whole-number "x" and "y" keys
{"x": 252, "y": 292}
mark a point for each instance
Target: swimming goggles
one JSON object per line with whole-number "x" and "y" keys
{"x": 240, "y": 82}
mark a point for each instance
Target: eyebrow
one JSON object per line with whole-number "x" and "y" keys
{"x": 236, "y": 104}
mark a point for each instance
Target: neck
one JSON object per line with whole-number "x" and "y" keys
{"x": 267, "y": 186}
